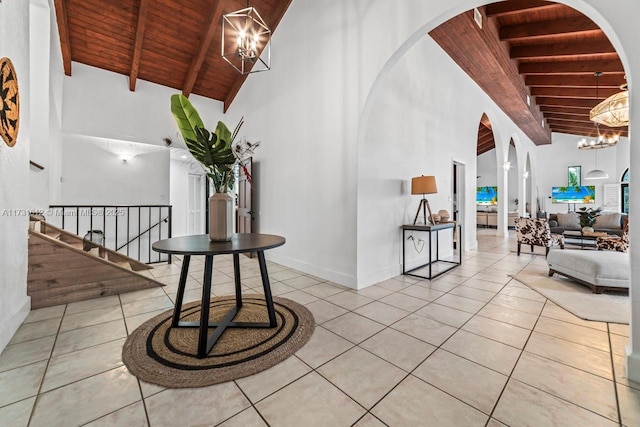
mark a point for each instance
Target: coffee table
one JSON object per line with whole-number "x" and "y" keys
{"x": 587, "y": 240}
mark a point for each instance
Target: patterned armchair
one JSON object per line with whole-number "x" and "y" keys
{"x": 614, "y": 243}
{"x": 536, "y": 232}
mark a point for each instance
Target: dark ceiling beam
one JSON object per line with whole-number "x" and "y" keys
{"x": 580, "y": 122}
{"x": 568, "y": 117}
{"x": 582, "y": 48}
{"x": 484, "y": 148}
{"x": 537, "y": 30}
{"x": 485, "y": 59}
{"x": 278, "y": 13}
{"x": 485, "y": 139}
{"x": 567, "y": 102}
{"x": 573, "y": 92}
{"x": 214, "y": 22}
{"x": 588, "y": 131}
{"x": 571, "y": 67}
{"x": 610, "y": 80}
{"x": 137, "y": 47}
{"x": 516, "y": 6}
{"x": 572, "y": 132}
{"x": 564, "y": 110}
{"x": 490, "y": 141}
{"x": 63, "y": 30}
{"x": 482, "y": 131}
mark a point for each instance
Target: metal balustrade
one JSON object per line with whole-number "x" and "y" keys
{"x": 130, "y": 230}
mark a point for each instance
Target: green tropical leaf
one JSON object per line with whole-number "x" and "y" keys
{"x": 186, "y": 116}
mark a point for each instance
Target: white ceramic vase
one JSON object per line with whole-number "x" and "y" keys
{"x": 587, "y": 229}
{"x": 220, "y": 217}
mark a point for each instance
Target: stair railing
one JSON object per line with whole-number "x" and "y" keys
{"x": 137, "y": 225}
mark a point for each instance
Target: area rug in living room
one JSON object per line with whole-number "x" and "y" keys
{"x": 166, "y": 356}
{"x": 578, "y": 299}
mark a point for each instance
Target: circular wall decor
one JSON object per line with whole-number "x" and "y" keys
{"x": 9, "y": 102}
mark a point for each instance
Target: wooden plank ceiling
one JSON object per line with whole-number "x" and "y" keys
{"x": 169, "y": 42}
{"x": 540, "y": 49}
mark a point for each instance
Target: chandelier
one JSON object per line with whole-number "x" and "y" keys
{"x": 246, "y": 41}
{"x": 613, "y": 111}
{"x": 600, "y": 142}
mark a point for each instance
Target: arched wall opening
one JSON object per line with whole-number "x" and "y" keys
{"x": 370, "y": 124}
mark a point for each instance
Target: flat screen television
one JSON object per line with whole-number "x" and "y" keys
{"x": 582, "y": 194}
{"x": 487, "y": 196}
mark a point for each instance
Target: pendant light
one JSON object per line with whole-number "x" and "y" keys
{"x": 246, "y": 41}
{"x": 596, "y": 173}
{"x": 613, "y": 111}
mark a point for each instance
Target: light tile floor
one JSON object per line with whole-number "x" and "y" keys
{"x": 470, "y": 348}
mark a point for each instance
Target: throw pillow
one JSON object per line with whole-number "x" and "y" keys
{"x": 608, "y": 221}
{"x": 569, "y": 220}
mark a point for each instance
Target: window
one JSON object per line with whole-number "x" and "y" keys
{"x": 624, "y": 187}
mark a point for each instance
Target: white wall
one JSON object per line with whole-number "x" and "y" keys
{"x": 99, "y": 103}
{"x": 563, "y": 152}
{"x": 14, "y": 177}
{"x": 93, "y": 172}
{"x": 39, "y": 29}
{"x": 417, "y": 125}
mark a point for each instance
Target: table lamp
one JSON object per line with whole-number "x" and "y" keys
{"x": 424, "y": 185}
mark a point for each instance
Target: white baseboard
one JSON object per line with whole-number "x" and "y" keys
{"x": 379, "y": 276}
{"x": 632, "y": 367}
{"x": 12, "y": 322}
{"x": 305, "y": 267}
{"x": 471, "y": 246}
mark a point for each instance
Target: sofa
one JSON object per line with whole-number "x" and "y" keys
{"x": 610, "y": 222}
{"x": 601, "y": 271}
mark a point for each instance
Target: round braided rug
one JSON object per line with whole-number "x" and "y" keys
{"x": 159, "y": 354}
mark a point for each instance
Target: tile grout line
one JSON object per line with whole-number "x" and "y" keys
{"x": 142, "y": 399}
{"x": 46, "y": 368}
{"x": 613, "y": 374}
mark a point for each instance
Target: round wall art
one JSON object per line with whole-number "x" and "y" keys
{"x": 9, "y": 102}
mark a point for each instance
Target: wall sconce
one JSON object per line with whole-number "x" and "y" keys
{"x": 506, "y": 166}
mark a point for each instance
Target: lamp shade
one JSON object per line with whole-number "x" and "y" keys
{"x": 423, "y": 185}
{"x": 596, "y": 174}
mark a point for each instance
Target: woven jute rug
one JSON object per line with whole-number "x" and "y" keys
{"x": 159, "y": 354}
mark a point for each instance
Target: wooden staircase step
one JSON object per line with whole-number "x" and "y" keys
{"x": 60, "y": 271}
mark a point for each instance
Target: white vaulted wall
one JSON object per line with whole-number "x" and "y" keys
{"x": 14, "y": 177}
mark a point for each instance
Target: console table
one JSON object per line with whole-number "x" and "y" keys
{"x": 430, "y": 229}
{"x": 201, "y": 245}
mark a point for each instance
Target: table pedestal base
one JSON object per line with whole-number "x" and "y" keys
{"x": 206, "y": 342}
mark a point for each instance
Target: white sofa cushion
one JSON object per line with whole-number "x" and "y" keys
{"x": 600, "y": 268}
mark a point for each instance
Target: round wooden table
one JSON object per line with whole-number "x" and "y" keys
{"x": 201, "y": 245}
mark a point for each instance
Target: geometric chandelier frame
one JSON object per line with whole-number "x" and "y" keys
{"x": 246, "y": 41}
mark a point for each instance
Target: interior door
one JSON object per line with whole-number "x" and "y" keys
{"x": 245, "y": 202}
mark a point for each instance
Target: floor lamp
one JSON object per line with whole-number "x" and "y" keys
{"x": 424, "y": 185}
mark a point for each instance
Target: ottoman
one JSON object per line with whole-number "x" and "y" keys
{"x": 600, "y": 270}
